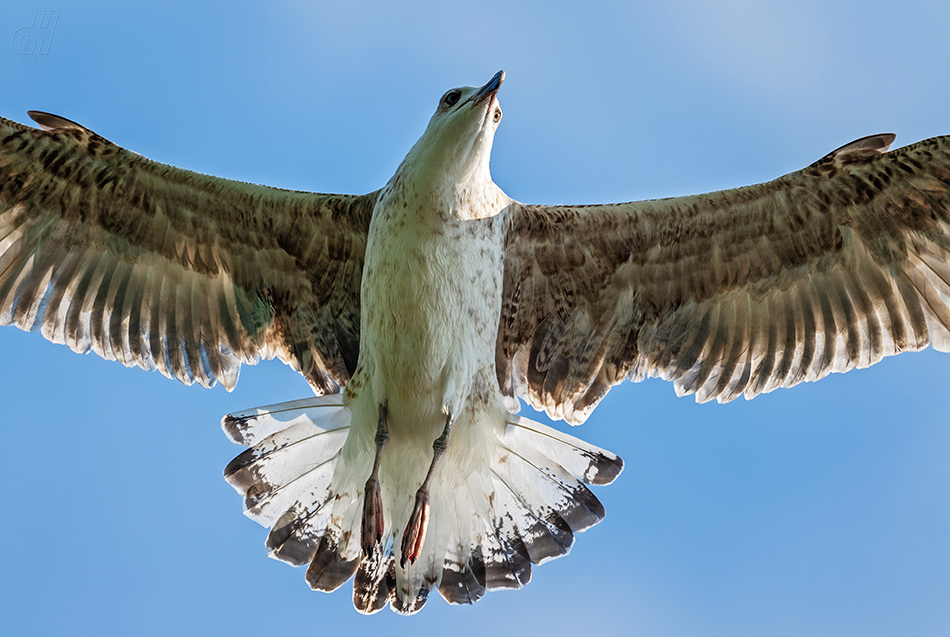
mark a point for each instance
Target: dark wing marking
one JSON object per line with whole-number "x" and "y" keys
{"x": 164, "y": 268}
{"x": 735, "y": 292}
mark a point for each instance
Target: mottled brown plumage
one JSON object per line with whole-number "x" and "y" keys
{"x": 734, "y": 292}
{"x": 164, "y": 268}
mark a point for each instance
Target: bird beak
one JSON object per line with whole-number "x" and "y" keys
{"x": 489, "y": 89}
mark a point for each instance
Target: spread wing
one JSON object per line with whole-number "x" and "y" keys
{"x": 172, "y": 270}
{"x": 735, "y": 292}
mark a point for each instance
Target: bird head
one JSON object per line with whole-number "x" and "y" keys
{"x": 456, "y": 145}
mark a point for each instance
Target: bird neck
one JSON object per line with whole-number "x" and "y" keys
{"x": 463, "y": 190}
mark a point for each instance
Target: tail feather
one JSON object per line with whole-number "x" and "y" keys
{"x": 511, "y": 566}
{"x": 339, "y": 553}
{"x": 251, "y": 426}
{"x": 374, "y": 585}
{"x": 589, "y": 463}
{"x": 486, "y": 528}
{"x": 409, "y": 600}
{"x": 462, "y": 580}
{"x": 275, "y": 442}
{"x": 332, "y": 566}
{"x": 295, "y": 536}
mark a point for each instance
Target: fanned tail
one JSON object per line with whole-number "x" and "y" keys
{"x": 486, "y": 530}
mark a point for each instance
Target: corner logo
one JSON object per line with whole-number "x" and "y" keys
{"x": 32, "y": 43}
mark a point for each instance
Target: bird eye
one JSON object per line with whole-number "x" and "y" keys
{"x": 452, "y": 97}
{"x": 497, "y": 115}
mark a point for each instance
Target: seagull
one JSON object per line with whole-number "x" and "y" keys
{"x": 422, "y": 312}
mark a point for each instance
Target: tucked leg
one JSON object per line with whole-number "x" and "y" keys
{"x": 372, "y": 528}
{"x": 414, "y": 536}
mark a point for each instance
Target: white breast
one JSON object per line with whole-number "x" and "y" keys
{"x": 431, "y": 300}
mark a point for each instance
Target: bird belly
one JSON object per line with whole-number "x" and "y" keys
{"x": 431, "y": 301}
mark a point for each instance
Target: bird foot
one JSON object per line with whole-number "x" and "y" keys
{"x": 371, "y": 532}
{"x": 415, "y": 534}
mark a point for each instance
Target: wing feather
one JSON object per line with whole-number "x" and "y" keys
{"x": 163, "y": 268}
{"x": 731, "y": 293}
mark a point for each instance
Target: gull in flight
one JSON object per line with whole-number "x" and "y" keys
{"x": 420, "y": 313}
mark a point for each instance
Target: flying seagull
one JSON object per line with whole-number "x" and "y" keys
{"x": 421, "y": 312}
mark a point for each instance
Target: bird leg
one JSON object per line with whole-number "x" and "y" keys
{"x": 372, "y": 528}
{"x": 415, "y": 534}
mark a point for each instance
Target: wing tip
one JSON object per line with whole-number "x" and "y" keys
{"x": 860, "y": 149}
{"x": 49, "y": 121}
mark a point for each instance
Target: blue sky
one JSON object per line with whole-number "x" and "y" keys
{"x": 821, "y": 510}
